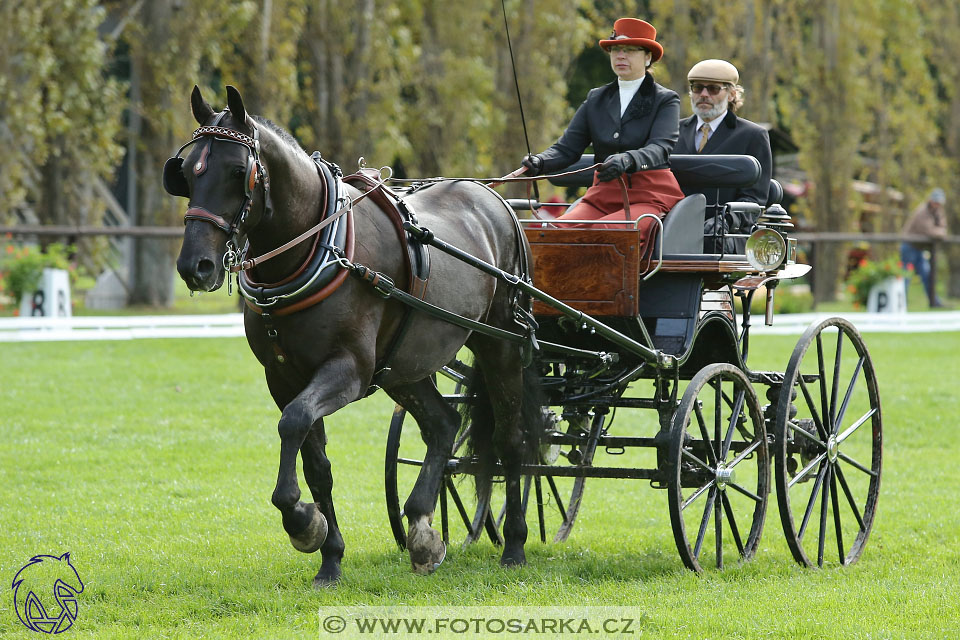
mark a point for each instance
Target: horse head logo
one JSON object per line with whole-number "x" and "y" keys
{"x": 32, "y": 587}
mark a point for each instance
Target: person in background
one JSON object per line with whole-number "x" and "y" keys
{"x": 714, "y": 128}
{"x": 632, "y": 125}
{"x": 929, "y": 219}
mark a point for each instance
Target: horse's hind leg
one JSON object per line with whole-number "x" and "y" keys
{"x": 438, "y": 423}
{"x": 316, "y": 471}
{"x": 500, "y": 364}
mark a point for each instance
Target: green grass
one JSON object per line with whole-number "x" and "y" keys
{"x": 153, "y": 462}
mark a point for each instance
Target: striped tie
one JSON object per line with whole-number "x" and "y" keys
{"x": 704, "y": 136}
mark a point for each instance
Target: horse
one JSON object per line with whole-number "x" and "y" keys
{"x": 247, "y": 179}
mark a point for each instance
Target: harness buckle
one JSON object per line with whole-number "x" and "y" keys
{"x": 231, "y": 258}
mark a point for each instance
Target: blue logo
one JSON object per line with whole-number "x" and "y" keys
{"x": 40, "y": 587}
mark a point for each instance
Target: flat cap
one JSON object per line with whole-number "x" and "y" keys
{"x": 715, "y": 70}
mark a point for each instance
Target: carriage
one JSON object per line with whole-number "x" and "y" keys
{"x": 665, "y": 327}
{"x": 334, "y": 272}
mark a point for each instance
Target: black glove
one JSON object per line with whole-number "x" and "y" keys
{"x": 533, "y": 163}
{"x": 731, "y": 222}
{"x": 615, "y": 166}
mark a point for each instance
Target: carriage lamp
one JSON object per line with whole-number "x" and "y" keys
{"x": 776, "y": 217}
{"x": 766, "y": 249}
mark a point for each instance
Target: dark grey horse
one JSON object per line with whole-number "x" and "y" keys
{"x": 323, "y": 357}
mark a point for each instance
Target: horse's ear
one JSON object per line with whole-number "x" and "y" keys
{"x": 201, "y": 110}
{"x": 235, "y": 103}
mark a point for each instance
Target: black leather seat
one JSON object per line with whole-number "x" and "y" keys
{"x": 683, "y": 225}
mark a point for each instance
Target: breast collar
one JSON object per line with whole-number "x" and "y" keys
{"x": 320, "y": 274}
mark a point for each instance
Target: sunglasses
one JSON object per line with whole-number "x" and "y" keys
{"x": 617, "y": 48}
{"x": 712, "y": 89}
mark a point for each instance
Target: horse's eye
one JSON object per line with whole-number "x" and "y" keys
{"x": 238, "y": 172}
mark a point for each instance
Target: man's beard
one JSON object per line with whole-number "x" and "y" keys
{"x": 714, "y": 111}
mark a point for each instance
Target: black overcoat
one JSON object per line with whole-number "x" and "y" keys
{"x": 647, "y": 131}
{"x": 738, "y": 136}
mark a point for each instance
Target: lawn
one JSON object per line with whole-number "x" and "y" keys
{"x": 152, "y": 462}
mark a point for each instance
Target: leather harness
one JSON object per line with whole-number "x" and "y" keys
{"x": 326, "y": 267}
{"x": 330, "y": 258}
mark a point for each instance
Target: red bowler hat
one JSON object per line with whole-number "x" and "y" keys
{"x": 634, "y": 33}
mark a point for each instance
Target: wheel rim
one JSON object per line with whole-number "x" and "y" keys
{"x": 461, "y": 511}
{"x": 551, "y": 503}
{"x": 719, "y": 469}
{"x": 558, "y": 498}
{"x": 828, "y": 446}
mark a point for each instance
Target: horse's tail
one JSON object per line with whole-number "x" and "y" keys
{"x": 479, "y": 417}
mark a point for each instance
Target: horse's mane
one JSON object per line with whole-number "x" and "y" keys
{"x": 280, "y": 132}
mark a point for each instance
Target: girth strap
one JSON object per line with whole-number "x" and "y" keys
{"x": 416, "y": 257}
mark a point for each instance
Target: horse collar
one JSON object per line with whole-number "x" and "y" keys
{"x": 320, "y": 275}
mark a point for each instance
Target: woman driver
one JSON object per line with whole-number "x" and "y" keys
{"x": 632, "y": 124}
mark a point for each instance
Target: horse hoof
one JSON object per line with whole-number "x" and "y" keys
{"x": 313, "y": 537}
{"x": 428, "y": 567}
{"x": 325, "y": 582}
{"x": 329, "y": 574}
{"x": 513, "y": 560}
{"x": 427, "y": 550}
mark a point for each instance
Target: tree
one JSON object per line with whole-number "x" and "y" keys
{"x": 59, "y": 111}
{"x": 941, "y": 26}
{"x": 173, "y": 45}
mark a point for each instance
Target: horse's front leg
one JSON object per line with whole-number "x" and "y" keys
{"x": 316, "y": 471}
{"x": 334, "y": 385}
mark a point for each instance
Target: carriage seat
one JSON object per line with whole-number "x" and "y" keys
{"x": 693, "y": 172}
{"x": 683, "y": 226}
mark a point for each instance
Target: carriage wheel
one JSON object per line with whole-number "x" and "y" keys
{"x": 458, "y": 502}
{"x": 718, "y": 469}
{"x": 828, "y": 445}
{"x": 551, "y": 503}
{"x": 556, "y": 499}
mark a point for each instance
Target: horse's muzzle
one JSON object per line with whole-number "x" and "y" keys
{"x": 200, "y": 274}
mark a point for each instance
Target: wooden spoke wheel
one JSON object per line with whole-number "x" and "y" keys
{"x": 828, "y": 445}
{"x": 718, "y": 469}
{"x": 460, "y": 506}
{"x": 555, "y": 499}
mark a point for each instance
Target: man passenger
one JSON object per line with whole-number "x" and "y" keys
{"x": 714, "y": 128}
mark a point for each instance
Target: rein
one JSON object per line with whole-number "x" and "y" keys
{"x": 235, "y": 266}
{"x": 492, "y": 182}
{"x": 517, "y": 176}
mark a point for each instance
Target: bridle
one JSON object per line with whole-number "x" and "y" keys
{"x": 175, "y": 183}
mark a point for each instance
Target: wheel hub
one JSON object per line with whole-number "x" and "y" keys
{"x": 725, "y": 475}
{"x": 833, "y": 448}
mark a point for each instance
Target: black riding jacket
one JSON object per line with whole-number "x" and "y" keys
{"x": 647, "y": 131}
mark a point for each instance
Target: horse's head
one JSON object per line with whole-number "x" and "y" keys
{"x": 227, "y": 186}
